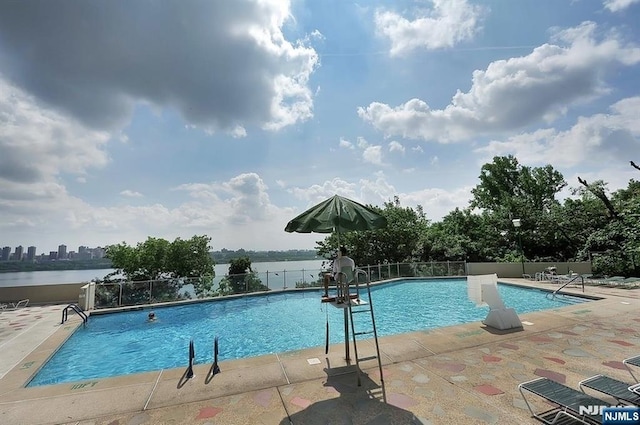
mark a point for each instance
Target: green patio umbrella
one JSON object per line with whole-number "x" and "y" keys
{"x": 337, "y": 214}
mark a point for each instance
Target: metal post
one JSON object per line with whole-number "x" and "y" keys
{"x": 346, "y": 334}
{"x": 521, "y": 251}
{"x": 284, "y": 279}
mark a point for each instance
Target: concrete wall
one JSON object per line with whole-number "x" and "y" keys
{"x": 515, "y": 269}
{"x": 42, "y": 294}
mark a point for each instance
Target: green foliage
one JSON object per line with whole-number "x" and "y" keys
{"x": 397, "y": 242}
{"x": 241, "y": 278}
{"x": 159, "y": 259}
{"x": 581, "y": 228}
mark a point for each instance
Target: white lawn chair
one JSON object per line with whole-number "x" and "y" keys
{"x": 19, "y": 304}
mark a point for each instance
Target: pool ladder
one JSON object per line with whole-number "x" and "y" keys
{"x": 77, "y": 310}
{"x": 358, "y": 306}
{"x": 552, "y": 295}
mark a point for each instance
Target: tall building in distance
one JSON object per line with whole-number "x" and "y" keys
{"x": 62, "y": 252}
{"x": 6, "y": 253}
{"x": 31, "y": 253}
{"x": 17, "y": 256}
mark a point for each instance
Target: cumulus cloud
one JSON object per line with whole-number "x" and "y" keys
{"x": 373, "y": 155}
{"x": 591, "y": 140}
{"x": 344, "y": 143}
{"x": 131, "y": 194}
{"x": 39, "y": 144}
{"x": 396, "y": 147}
{"x": 238, "y": 132}
{"x": 245, "y": 197}
{"x": 445, "y": 24}
{"x": 437, "y": 202}
{"x": 513, "y": 93}
{"x": 236, "y": 213}
{"x": 618, "y": 5}
{"x": 219, "y": 64}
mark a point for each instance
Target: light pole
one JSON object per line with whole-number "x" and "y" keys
{"x": 517, "y": 223}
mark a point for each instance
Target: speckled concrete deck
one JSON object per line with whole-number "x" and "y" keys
{"x": 460, "y": 374}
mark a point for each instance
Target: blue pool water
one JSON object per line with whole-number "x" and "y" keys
{"x": 124, "y": 343}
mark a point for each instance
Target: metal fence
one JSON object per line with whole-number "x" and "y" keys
{"x": 128, "y": 293}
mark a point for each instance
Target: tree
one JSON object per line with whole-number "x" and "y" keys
{"x": 398, "y": 242}
{"x": 508, "y": 190}
{"x": 160, "y": 260}
{"x": 241, "y": 278}
{"x": 507, "y": 186}
{"x": 614, "y": 245}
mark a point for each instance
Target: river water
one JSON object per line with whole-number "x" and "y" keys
{"x": 279, "y": 273}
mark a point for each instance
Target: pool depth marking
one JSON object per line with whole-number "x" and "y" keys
{"x": 27, "y": 365}
{"x": 84, "y": 385}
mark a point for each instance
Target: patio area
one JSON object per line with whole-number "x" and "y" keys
{"x": 460, "y": 374}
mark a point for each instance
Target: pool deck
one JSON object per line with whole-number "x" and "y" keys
{"x": 460, "y": 374}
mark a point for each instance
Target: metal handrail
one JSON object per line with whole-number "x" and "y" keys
{"x": 553, "y": 295}
{"x": 77, "y": 309}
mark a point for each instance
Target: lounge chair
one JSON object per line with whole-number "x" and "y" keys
{"x": 611, "y": 387}
{"x": 567, "y": 400}
{"x": 633, "y": 361}
{"x": 19, "y": 304}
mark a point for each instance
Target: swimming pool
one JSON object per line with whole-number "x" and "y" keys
{"x": 124, "y": 343}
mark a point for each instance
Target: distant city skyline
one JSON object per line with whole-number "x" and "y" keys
{"x": 17, "y": 253}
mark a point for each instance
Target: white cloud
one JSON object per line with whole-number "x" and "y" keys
{"x": 599, "y": 138}
{"x": 362, "y": 143}
{"x": 219, "y": 64}
{"x": 447, "y": 23}
{"x": 344, "y": 143}
{"x": 417, "y": 149}
{"x": 435, "y": 160}
{"x": 238, "y": 132}
{"x": 236, "y": 213}
{"x": 513, "y": 93}
{"x": 131, "y": 194}
{"x": 618, "y": 5}
{"x": 436, "y": 202}
{"x": 319, "y": 192}
{"x": 396, "y": 147}
{"x": 38, "y": 144}
{"x": 373, "y": 155}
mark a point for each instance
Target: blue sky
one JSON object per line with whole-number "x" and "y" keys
{"x": 123, "y": 120}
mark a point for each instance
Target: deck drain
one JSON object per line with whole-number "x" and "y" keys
{"x": 314, "y": 360}
{"x": 527, "y": 323}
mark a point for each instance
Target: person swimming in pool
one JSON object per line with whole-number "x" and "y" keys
{"x": 151, "y": 317}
